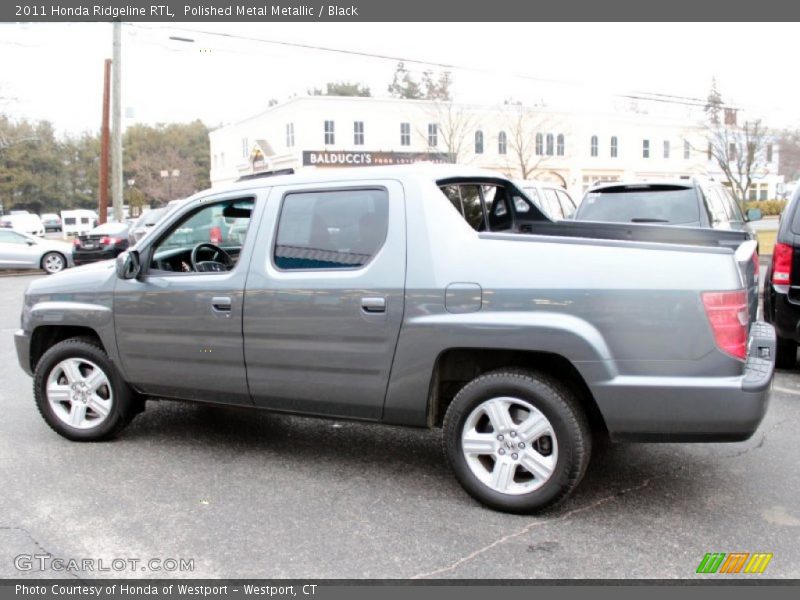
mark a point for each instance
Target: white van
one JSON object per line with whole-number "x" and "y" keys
{"x": 78, "y": 221}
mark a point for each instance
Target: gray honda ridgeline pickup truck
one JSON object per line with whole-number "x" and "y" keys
{"x": 422, "y": 295}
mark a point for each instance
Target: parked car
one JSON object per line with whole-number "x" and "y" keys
{"x": 553, "y": 201}
{"x": 782, "y": 285}
{"x": 22, "y": 251}
{"x": 685, "y": 203}
{"x": 78, "y": 221}
{"x": 25, "y": 222}
{"x": 51, "y": 222}
{"x": 101, "y": 243}
{"x": 412, "y": 295}
{"x": 144, "y": 223}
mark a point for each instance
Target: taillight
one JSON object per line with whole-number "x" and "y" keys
{"x": 108, "y": 241}
{"x": 727, "y": 313}
{"x": 782, "y": 264}
{"x": 215, "y": 234}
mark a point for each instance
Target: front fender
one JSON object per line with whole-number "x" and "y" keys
{"x": 97, "y": 318}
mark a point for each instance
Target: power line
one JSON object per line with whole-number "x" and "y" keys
{"x": 651, "y": 96}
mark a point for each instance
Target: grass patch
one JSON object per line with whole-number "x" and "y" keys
{"x": 766, "y": 242}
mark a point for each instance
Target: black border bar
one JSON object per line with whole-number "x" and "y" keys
{"x": 397, "y": 10}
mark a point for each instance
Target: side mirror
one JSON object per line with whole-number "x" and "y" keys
{"x": 129, "y": 265}
{"x": 753, "y": 214}
{"x": 30, "y": 242}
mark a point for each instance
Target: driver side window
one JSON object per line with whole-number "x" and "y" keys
{"x": 209, "y": 239}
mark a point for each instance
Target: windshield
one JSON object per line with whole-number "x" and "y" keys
{"x": 150, "y": 218}
{"x": 674, "y": 205}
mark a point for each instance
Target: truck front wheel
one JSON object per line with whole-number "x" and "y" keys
{"x": 517, "y": 440}
{"x": 80, "y": 394}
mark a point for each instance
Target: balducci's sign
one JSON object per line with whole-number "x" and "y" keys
{"x": 330, "y": 158}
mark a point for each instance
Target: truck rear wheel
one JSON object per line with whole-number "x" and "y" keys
{"x": 80, "y": 394}
{"x": 785, "y": 353}
{"x": 517, "y": 440}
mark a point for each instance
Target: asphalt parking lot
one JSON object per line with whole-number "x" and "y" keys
{"x": 253, "y": 494}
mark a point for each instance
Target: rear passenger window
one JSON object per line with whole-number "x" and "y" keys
{"x": 331, "y": 229}
{"x": 731, "y": 204}
{"x": 500, "y": 218}
{"x": 716, "y": 206}
{"x": 473, "y": 210}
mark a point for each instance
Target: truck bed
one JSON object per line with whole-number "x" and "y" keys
{"x": 662, "y": 234}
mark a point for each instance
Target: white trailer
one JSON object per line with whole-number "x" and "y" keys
{"x": 77, "y": 221}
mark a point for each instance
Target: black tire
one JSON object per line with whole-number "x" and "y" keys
{"x": 125, "y": 403}
{"x": 556, "y": 403}
{"x": 50, "y": 262}
{"x": 785, "y": 353}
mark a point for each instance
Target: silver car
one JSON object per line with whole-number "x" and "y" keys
{"x": 22, "y": 251}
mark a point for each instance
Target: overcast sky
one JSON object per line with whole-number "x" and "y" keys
{"x": 54, "y": 71}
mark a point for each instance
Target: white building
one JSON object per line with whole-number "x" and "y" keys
{"x": 627, "y": 141}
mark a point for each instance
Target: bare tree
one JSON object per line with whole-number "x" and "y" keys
{"x": 527, "y": 154}
{"x": 740, "y": 151}
{"x": 455, "y": 129}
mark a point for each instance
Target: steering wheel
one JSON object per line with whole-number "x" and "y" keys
{"x": 224, "y": 262}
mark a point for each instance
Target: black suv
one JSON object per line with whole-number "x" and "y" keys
{"x": 782, "y": 285}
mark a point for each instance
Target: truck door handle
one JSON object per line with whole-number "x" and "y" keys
{"x": 373, "y": 304}
{"x": 221, "y": 304}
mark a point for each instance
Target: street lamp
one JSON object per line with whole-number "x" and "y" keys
{"x": 168, "y": 175}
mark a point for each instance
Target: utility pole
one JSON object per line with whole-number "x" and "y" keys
{"x": 116, "y": 125}
{"x": 103, "y": 202}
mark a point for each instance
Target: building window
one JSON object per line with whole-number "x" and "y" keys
{"x": 769, "y": 152}
{"x": 687, "y": 150}
{"x": 358, "y": 133}
{"x": 539, "y": 144}
{"x": 666, "y": 148}
{"x": 560, "y": 144}
{"x": 289, "y": 135}
{"x": 614, "y": 146}
{"x": 433, "y": 135}
{"x": 645, "y": 148}
{"x": 593, "y": 148}
{"x": 479, "y": 142}
{"x": 245, "y": 148}
{"x": 330, "y": 133}
{"x": 502, "y": 143}
{"x": 732, "y": 151}
{"x": 405, "y": 134}
{"x": 549, "y": 144}
{"x": 709, "y": 152}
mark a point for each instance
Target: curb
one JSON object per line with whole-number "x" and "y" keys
{"x": 24, "y": 273}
